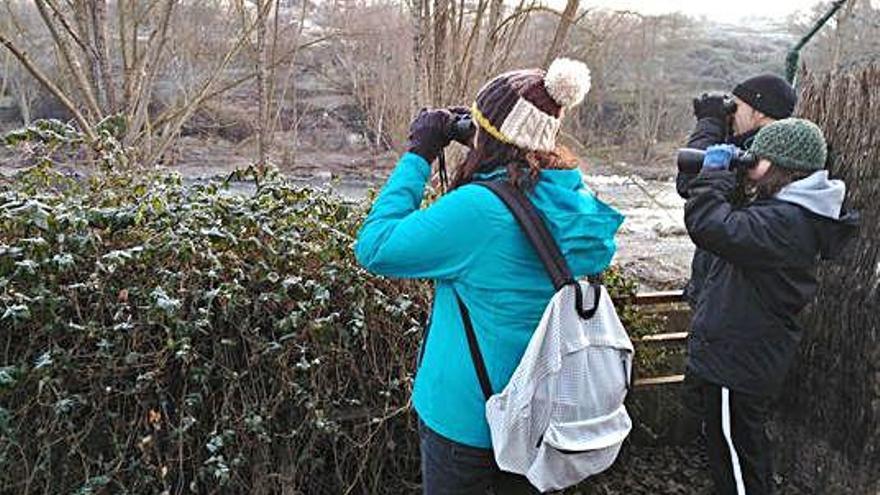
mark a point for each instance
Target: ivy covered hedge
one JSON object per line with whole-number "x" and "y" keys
{"x": 163, "y": 338}
{"x": 157, "y": 337}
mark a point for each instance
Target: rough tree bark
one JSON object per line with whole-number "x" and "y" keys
{"x": 106, "y": 77}
{"x": 831, "y": 406}
{"x": 263, "y": 94}
{"x": 417, "y": 8}
{"x": 440, "y": 20}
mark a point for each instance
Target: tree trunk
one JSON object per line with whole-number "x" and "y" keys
{"x": 831, "y": 405}
{"x": 491, "y": 41}
{"x": 462, "y": 82}
{"x": 99, "y": 28}
{"x": 262, "y": 87}
{"x": 418, "y": 20}
{"x": 4, "y": 74}
{"x": 440, "y": 21}
{"x": 24, "y": 106}
{"x": 565, "y": 22}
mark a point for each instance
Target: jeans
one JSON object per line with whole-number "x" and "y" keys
{"x": 450, "y": 467}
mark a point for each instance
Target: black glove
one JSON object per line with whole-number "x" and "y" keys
{"x": 429, "y": 133}
{"x": 713, "y": 105}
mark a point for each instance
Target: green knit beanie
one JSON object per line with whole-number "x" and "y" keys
{"x": 792, "y": 143}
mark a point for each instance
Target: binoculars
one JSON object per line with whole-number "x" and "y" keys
{"x": 729, "y": 105}
{"x": 462, "y": 128}
{"x": 690, "y": 160}
{"x": 713, "y": 102}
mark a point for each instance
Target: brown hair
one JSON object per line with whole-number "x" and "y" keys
{"x": 523, "y": 166}
{"x": 774, "y": 180}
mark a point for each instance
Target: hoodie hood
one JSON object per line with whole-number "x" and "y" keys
{"x": 817, "y": 193}
{"x": 824, "y": 197}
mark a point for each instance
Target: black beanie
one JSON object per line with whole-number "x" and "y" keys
{"x": 768, "y": 94}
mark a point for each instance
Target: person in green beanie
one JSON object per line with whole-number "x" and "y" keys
{"x": 761, "y": 274}
{"x": 733, "y": 119}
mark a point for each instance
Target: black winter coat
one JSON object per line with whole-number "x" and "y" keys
{"x": 707, "y": 132}
{"x": 760, "y": 273}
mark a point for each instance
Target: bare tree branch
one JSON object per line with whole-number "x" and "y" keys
{"x": 288, "y": 56}
{"x": 70, "y": 58}
{"x": 145, "y": 72}
{"x": 22, "y": 57}
{"x": 565, "y": 21}
{"x": 171, "y": 130}
{"x": 66, "y": 25}
{"x": 519, "y": 13}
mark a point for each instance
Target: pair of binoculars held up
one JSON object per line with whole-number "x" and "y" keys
{"x": 462, "y": 128}
{"x": 690, "y": 160}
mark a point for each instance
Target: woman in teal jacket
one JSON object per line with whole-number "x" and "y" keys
{"x": 470, "y": 244}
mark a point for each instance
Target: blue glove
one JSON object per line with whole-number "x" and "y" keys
{"x": 718, "y": 157}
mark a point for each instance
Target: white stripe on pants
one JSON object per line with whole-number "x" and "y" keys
{"x": 725, "y": 428}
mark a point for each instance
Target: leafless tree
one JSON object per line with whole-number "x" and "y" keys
{"x": 168, "y": 58}
{"x": 850, "y": 39}
{"x": 566, "y": 20}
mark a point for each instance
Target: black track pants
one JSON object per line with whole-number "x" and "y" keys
{"x": 737, "y": 447}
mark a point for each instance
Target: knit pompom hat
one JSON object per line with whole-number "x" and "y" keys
{"x": 524, "y": 107}
{"x": 792, "y": 143}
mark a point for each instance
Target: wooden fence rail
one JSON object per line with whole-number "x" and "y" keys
{"x": 656, "y": 299}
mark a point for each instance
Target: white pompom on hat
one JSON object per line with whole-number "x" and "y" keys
{"x": 523, "y": 108}
{"x": 567, "y": 81}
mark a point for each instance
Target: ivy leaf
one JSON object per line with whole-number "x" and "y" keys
{"x": 8, "y": 376}
{"x": 44, "y": 360}
{"x": 93, "y": 485}
{"x": 162, "y": 301}
{"x": 18, "y": 312}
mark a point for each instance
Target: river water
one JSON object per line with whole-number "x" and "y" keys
{"x": 652, "y": 242}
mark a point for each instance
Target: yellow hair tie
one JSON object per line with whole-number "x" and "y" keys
{"x": 487, "y": 126}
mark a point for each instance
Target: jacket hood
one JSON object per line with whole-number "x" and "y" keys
{"x": 824, "y": 197}
{"x": 582, "y": 224}
{"x": 817, "y": 193}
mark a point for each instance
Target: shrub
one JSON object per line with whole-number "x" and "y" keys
{"x": 159, "y": 337}
{"x": 165, "y": 338}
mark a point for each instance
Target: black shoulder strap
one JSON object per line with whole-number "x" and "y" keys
{"x": 536, "y": 231}
{"x": 549, "y": 253}
{"x": 474, "y": 346}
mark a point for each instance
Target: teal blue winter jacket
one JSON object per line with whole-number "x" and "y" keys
{"x": 469, "y": 242}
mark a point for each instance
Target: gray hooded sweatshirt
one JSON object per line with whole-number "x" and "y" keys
{"x": 817, "y": 193}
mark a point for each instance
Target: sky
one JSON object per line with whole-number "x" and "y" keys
{"x": 727, "y": 11}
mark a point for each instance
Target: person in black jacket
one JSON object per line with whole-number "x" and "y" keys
{"x": 758, "y": 102}
{"x": 762, "y": 272}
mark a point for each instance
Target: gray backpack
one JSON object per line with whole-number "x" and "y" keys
{"x": 561, "y": 417}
